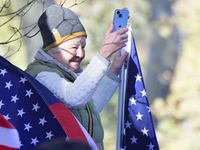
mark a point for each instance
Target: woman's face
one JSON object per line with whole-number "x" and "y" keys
{"x": 71, "y": 54}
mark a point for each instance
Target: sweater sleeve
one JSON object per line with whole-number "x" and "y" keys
{"x": 105, "y": 90}
{"x": 77, "y": 94}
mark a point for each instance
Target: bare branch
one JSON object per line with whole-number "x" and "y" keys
{"x": 19, "y": 12}
{"x": 14, "y": 51}
{"x": 76, "y": 4}
{"x": 5, "y": 5}
{"x": 8, "y": 41}
{"x": 62, "y": 3}
{"x": 15, "y": 32}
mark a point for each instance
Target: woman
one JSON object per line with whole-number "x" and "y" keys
{"x": 57, "y": 65}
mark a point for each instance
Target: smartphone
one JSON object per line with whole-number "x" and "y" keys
{"x": 120, "y": 18}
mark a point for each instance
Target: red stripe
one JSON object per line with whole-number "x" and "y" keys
{"x": 68, "y": 122}
{"x": 7, "y": 148}
{"x": 4, "y": 123}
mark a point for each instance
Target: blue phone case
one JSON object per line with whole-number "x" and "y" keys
{"x": 120, "y": 19}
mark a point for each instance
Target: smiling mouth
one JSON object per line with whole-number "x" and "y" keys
{"x": 76, "y": 61}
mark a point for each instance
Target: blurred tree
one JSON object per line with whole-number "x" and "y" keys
{"x": 164, "y": 49}
{"x": 178, "y": 114}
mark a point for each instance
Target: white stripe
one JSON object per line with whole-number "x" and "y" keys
{"x": 88, "y": 137}
{"x": 9, "y": 137}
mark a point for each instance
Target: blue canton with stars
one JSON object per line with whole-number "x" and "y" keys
{"x": 139, "y": 132}
{"x": 22, "y": 104}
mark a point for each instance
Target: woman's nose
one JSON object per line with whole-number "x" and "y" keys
{"x": 80, "y": 52}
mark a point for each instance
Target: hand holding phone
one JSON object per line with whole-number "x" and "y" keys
{"x": 120, "y": 19}
{"x": 114, "y": 42}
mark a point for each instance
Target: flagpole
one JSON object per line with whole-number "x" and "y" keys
{"x": 120, "y": 119}
{"x": 120, "y": 107}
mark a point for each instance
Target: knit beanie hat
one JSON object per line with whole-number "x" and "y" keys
{"x": 59, "y": 24}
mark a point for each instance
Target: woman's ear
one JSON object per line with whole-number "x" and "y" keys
{"x": 51, "y": 53}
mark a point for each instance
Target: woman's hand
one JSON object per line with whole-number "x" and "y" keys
{"x": 113, "y": 41}
{"x": 118, "y": 62}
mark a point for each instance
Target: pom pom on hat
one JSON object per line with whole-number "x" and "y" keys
{"x": 59, "y": 24}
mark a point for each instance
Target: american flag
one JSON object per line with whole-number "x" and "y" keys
{"x": 34, "y": 111}
{"x": 139, "y": 132}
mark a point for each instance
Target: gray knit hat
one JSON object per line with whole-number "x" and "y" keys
{"x": 59, "y": 24}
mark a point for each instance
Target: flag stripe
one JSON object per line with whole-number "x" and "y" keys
{"x": 7, "y": 148}
{"x": 66, "y": 119}
{"x": 89, "y": 139}
{"x": 5, "y": 124}
{"x": 10, "y": 137}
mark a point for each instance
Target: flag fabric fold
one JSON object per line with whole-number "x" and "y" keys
{"x": 34, "y": 111}
{"x": 139, "y": 132}
{"x": 9, "y": 139}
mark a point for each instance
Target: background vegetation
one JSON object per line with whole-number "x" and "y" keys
{"x": 167, "y": 34}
